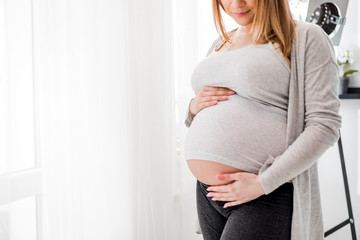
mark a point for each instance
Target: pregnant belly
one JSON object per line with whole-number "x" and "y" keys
{"x": 233, "y": 136}
{"x": 206, "y": 171}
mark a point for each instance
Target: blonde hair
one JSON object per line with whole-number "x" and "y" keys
{"x": 272, "y": 22}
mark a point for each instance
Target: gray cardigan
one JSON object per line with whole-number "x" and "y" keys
{"x": 313, "y": 125}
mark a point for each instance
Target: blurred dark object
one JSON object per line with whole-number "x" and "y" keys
{"x": 329, "y": 15}
{"x": 352, "y": 93}
{"x": 343, "y": 85}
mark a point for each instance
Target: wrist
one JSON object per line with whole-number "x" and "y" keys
{"x": 192, "y": 115}
{"x": 261, "y": 189}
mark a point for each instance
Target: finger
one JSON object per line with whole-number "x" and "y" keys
{"x": 217, "y": 92}
{"x": 206, "y": 104}
{"x": 215, "y": 88}
{"x": 229, "y": 176}
{"x": 224, "y": 196}
{"x": 214, "y": 98}
{"x": 228, "y": 188}
{"x": 233, "y": 203}
{"x": 204, "y": 90}
{"x": 225, "y": 199}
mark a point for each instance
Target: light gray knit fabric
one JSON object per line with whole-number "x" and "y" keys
{"x": 313, "y": 124}
{"x": 250, "y": 126}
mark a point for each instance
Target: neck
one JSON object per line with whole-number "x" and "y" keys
{"x": 248, "y": 28}
{"x": 242, "y": 34}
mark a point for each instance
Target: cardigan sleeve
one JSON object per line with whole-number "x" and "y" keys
{"x": 189, "y": 119}
{"x": 322, "y": 119}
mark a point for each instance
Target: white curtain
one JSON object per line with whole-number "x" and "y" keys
{"x": 81, "y": 72}
{"x": 113, "y": 82}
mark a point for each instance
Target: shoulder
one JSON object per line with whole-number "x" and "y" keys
{"x": 217, "y": 43}
{"x": 311, "y": 37}
{"x": 313, "y": 47}
{"x": 310, "y": 32}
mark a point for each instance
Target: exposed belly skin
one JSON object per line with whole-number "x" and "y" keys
{"x": 205, "y": 171}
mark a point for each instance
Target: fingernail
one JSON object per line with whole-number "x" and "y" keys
{"x": 231, "y": 92}
{"x": 220, "y": 177}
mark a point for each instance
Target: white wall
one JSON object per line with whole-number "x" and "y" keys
{"x": 332, "y": 187}
{"x": 351, "y": 37}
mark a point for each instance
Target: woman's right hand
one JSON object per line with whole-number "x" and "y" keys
{"x": 208, "y": 96}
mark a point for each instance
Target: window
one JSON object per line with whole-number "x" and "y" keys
{"x": 20, "y": 172}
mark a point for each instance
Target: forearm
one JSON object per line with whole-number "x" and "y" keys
{"x": 322, "y": 120}
{"x": 299, "y": 156}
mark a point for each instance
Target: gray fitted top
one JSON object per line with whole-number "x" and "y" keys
{"x": 248, "y": 127}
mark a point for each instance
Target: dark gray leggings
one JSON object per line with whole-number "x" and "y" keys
{"x": 267, "y": 217}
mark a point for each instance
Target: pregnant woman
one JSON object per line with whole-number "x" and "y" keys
{"x": 266, "y": 108}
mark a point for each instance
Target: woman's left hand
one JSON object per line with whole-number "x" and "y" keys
{"x": 244, "y": 188}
